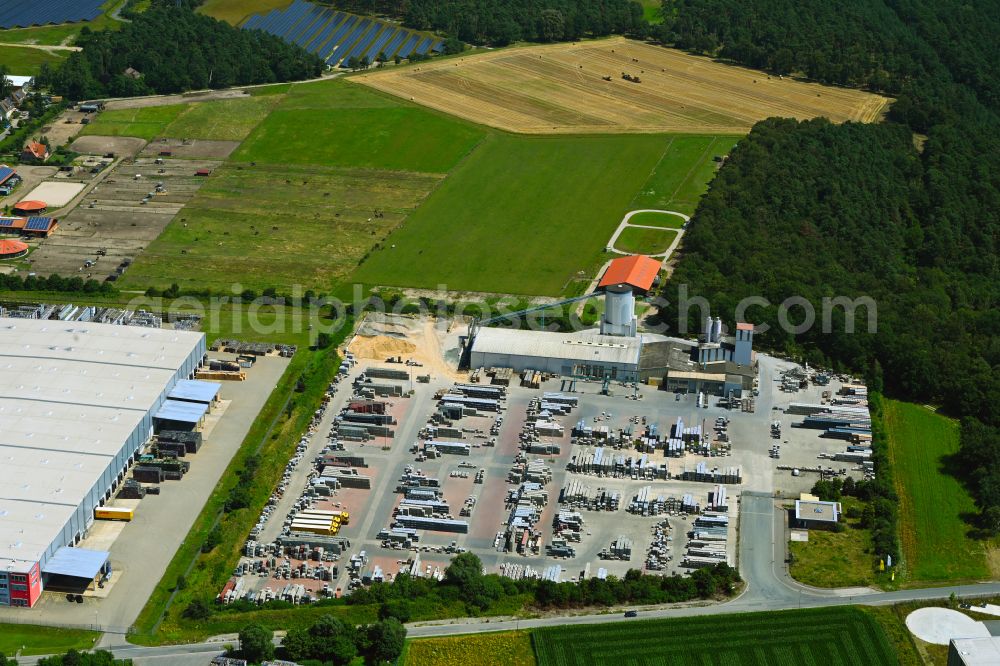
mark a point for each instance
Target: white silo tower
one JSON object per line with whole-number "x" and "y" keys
{"x": 619, "y": 311}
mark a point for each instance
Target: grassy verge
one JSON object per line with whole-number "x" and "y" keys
{"x": 933, "y": 503}
{"x": 835, "y": 559}
{"x": 272, "y": 438}
{"x": 507, "y": 648}
{"x": 32, "y": 639}
{"x": 897, "y": 633}
{"x": 26, "y": 61}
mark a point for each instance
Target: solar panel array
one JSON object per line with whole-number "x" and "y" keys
{"x": 7, "y": 221}
{"x": 25, "y": 13}
{"x": 336, "y": 37}
{"x": 38, "y": 224}
{"x": 5, "y": 173}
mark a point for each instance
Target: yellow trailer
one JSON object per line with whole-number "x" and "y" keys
{"x": 113, "y": 513}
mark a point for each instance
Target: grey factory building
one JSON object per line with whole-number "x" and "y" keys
{"x": 78, "y": 402}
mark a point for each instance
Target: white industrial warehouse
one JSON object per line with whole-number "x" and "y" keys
{"x": 78, "y": 402}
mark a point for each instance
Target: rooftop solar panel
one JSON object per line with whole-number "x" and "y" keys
{"x": 6, "y": 221}
{"x": 38, "y": 223}
{"x": 5, "y": 173}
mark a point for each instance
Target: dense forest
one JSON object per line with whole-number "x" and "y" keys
{"x": 501, "y": 22}
{"x": 814, "y": 209}
{"x": 175, "y": 49}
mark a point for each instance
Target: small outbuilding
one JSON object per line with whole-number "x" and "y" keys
{"x": 30, "y": 207}
{"x": 816, "y": 514}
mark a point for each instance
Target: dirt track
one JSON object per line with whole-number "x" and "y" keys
{"x": 561, "y": 89}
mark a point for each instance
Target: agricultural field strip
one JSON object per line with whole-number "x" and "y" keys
{"x": 782, "y": 639}
{"x": 523, "y": 88}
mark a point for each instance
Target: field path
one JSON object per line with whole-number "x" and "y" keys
{"x": 51, "y": 48}
{"x": 625, "y": 224}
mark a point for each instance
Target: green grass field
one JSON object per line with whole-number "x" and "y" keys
{"x": 341, "y": 124}
{"x": 932, "y": 503}
{"x": 522, "y": 215}
{"x": 828, "y": 636}
{"x": 145, "y": 123}
{"x": 683, "y": 173}
{"x": 277, "y": 226}
{"x": 645, "y": 241}
{"x": 657, "y": 220}
{"x": 221, "y": 120}
{"x": 507, "y": 648}
{"x": 43, "y": 640}
{"x": 25, "y": 61}
{"x": 835, "y": 559}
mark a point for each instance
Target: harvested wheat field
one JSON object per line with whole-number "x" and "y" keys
{"x": 560, "y": 88}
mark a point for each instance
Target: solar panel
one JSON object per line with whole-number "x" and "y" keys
{"x": 319, "y": 22}
{"x": 320, "y": 39}
{"x": 424, "y": 45}
{"x": 350, "y": 39}
{"x": 6, "y": 221}
{"x": 5, "y": 173}
{"x": 334, "y": 42}
{"x": 363, "y": 43}
{"x": 24, "y": 13}
{"x": 38, "y": 224}
{"x": 393, "y": 46}
{"x": 408, "y": 46}
{"x": 377, "y": 46}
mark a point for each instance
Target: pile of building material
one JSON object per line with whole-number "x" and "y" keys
{"x": 578, "y": 495}
{"x": 708, "y": 544}
{"x": 529, "y": 470}
{"x": 603, "y": 462}
{"x": 620, "y": 549}
{"x": 702, "y": 473}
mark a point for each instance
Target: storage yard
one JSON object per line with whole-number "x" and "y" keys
{"x": 583, "y": 88}
{"x": 539, "y": 475}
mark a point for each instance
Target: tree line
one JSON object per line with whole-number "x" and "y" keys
{"x": 174, "y": 49}
{"x": 328, "y": 640}
{"x": 502, "y": 22}
{"x": 906, "y": 211}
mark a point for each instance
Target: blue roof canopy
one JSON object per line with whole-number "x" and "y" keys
{"x": 184, "y": 412}
{"x": 76, "y": 562}
{"x": 194, "y": 390}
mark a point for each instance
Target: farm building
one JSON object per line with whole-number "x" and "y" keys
{"x": 78, "y": 404}
{"x": 29, "y": 207}
{"x": 34, "y": 152}
{"x": 811, "y": 513}
{"x": 12, "y": 249}
{"x": 31, "y": 226}
{"x": 9, "y": 179}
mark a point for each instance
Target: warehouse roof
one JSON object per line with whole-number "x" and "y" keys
{"x": 184, "y": 412}
{"x": 76, "y": 562}
{"x": 638, "y": 271}
{"x": 195, "y": 390}
{"x": 585, "y": 345}
{"x": 71, "y": 395}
